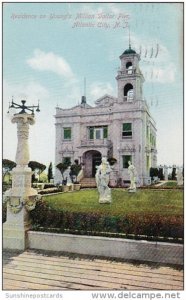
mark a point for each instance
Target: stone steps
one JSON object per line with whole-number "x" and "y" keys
{"x": 88, "y": 182}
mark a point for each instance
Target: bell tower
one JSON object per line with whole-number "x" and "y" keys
{"x": 130, "y": 79}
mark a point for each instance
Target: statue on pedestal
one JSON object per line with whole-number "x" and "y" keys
{"x": 102, "y": 181}
{"x": 179, "y": 176}
{"x": 132, "y": 174}
{"x": 165, "y": 173}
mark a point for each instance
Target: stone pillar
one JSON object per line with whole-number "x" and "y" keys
{"x": 21, "y": 198}
{"x": 165, "y": 173}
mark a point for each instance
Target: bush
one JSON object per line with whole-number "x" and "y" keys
{"x": 173, "y": 173}
{"x": 48, "y": 191}
{"x": 49, "y": 185}
{"x": 75, "y": 169}
{"x": 89, "y": 223}
{"x": 4, "y": 212}
{"x": 112, "y": 160}
{"x": 160, "y": 174}
{"x": 153, "y": 172}
{"x": 6, "y": 186}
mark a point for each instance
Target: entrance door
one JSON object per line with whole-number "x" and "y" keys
{"x": 91, "y": 159}
{"x": 96, "y": 161}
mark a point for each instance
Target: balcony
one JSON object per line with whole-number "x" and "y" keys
{"x": 127, "y": 72}
{"x": 128, "y": 98}
{"x": 96, "y": 143}
{"x": 150, "y": 149}
{"x": 154, "y": 150}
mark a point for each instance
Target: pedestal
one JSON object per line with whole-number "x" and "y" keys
{"x": 113, "y": 178}
{"x": 21, "y": 198}
{"x": 15, "y": 230}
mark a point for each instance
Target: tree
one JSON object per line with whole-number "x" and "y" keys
{"x": 50, "y": 173}
{"x": 36, "y": 167}
{"x": 7, "y": 165}
{"x": 75, "y": 169}
{"x": 153, "y": 172}
{"x": 174, "y": 173}
{"x": 160, "y": 173}
{"x": 62, "y": 166}
{"x": 112, "y": 160}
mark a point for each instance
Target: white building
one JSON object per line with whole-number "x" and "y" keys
{"x": 119, "y": 127}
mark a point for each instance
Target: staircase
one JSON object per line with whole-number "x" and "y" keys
{"x": 88, "y": 182}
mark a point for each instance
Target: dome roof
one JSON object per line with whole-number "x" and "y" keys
{"x": 129, "y": 51}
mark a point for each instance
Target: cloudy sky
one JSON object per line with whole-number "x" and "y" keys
{"x": 48, "y": 49}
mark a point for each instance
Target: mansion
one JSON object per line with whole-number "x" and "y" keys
{"x": 120, "y": 127}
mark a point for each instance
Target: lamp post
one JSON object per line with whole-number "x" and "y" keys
{"x": 21, "y": 197}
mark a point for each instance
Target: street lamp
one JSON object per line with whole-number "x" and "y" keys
{"x": 21, "y": 197}
{"x": 24, "y": 108}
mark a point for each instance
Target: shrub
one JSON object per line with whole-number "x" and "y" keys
{"x": 62, "y": 166}
{"x": 160, "y": 174}
{"x": 48, "y": 191}
{"x": 153, "y": 172}
{"x": 173, "y": 173}
{"x": 6, "y": 186}
{"x": 49, "y": 185}
{"x": 4, "y": 212}
{"x": 50, "y": 172}
{"x": 146, "y": 224}
{"x": 112, "y": 160}
{"x": 75, "y": 169}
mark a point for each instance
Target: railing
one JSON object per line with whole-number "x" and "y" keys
{"x": 98, "y": 142}
{"x": 128, "y": 99}
{"x": 128, "y": 72}
{"x": 149, "y": 149}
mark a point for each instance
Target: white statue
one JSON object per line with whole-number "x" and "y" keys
{"x": 67, "y": 173}
{"x": 166, "y": 173}
{"x": 132, "y": 173}
{"x": 102, "y": 181}
{"x": 179, "y": 176}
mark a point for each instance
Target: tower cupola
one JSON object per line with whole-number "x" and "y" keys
{"x": 129, "y": 51}
{"x": 129, "y": 78}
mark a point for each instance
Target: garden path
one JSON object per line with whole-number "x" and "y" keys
{"x": 38, "y": 270}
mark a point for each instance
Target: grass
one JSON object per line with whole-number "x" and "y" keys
{"x": 171, "y": 184}
{"x": 164, "y": 203}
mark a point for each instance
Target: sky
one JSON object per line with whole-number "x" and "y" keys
{"x": 48, "y": 49}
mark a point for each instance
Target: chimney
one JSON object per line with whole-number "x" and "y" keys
{"x": 83, "y": 100}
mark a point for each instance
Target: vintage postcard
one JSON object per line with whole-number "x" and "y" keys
{"x": 93, "y": 171}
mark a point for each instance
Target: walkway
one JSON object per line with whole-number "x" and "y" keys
{"x": 34, "y": 270}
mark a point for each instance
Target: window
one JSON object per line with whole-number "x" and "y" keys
{"x": 67, "y": 160}
{"x": 126, "y": 159}
{"x": 154, "y": 141}
{"x": 91, "y": 133}
{"x": 67, "y": 133}
{"x": 105, "y": 132}
{"x": 127, "y": 131}
{"x": 151, "y": 138}
{"x": 129, "y": 67}
{"x": 128, "y": 92}
{"x": 147, "y": 132}
{"x": 98, "y": 133}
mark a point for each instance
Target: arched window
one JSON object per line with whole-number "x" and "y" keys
{"x": 128, "y": 92}
{"x": 129, "y": 67}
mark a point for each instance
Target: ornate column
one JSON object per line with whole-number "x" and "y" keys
{"x": 21, "y": 198}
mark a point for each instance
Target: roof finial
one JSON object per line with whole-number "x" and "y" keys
{"x": 83, "y": 98}
{"x": 129, "y": 38}
{"x": 85, "y": 86}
